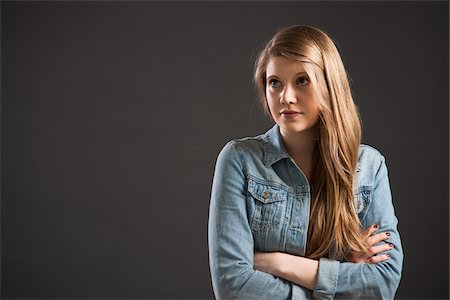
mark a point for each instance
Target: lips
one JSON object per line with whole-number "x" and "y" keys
{"x": 289, "y": 114}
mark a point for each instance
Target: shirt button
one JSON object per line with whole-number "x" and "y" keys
{"x": 266, "y": 195}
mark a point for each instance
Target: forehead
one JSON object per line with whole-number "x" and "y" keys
{"x": 282, "y": 66}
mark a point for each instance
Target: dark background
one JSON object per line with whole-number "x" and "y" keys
{"x": 113, "y": 114}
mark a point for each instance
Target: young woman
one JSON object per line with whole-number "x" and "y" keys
{"x": 303, "y": 211}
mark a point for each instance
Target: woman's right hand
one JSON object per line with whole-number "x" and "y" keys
{"x": 372, "y": 239}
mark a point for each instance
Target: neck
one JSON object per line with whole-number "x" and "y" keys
{"x": 301, "y": 147}
{"x": 300, "y": 144}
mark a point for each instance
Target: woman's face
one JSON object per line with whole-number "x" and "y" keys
{"x": 290, "y": 96}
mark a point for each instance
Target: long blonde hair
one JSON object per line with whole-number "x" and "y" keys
{"x": 334, "y": 227}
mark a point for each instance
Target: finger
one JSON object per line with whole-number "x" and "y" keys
{"x": 378, "y": 258}
{"x": 377, "y": 238}
{"x": 380, "y": 248}
{"x": 370, "y": 230}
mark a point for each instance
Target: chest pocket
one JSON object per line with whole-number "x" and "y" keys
{"x": 363, "y": 198}
{"x": 267, "y": 205}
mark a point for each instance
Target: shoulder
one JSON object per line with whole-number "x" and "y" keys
{"x": 243, "y": 148}
{"x": 368, "y": 155}
{"x": 370, "y": 161}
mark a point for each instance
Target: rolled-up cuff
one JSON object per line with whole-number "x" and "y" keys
{"x": 327, "y": 278}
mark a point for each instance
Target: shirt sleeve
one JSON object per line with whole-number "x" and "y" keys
{"x": 363, "y": 280}
{"x": 231, "y": 248}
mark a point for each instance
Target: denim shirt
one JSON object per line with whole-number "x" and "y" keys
{"x": 260, "y": 201}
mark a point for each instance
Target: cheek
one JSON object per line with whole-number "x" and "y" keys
{"x": 312, "y": 103}
{"x": 272, "y": 112}
{"x": 313, "y": 109}
{"x": 316, "y": 113}
{"x": 271, "y": 102}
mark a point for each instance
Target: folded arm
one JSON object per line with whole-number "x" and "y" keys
{"x": 373, "y": 275}
{"x": 304, "y": 271}
{"x": 231, "y": 248}
{"x": 365, "y": 280}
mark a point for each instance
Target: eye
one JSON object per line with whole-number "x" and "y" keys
{"x": 303, "y": 80}
{"x": 274, "y": 83}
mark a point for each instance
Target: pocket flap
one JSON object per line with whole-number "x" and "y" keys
{"x": 266, "y": 193}
{"x": 362, "y": 197}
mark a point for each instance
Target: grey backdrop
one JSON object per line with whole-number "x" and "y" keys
{"x": 113, "y": 114}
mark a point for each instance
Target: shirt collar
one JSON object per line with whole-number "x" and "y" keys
{"x": 273, "y": 146}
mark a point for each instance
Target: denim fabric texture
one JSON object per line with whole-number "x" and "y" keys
{"x": 260, "y": 201}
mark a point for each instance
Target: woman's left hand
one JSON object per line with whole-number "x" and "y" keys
{"x": 371, "y": 256}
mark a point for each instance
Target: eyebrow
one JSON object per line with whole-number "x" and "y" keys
{"x": 299, "y": 73}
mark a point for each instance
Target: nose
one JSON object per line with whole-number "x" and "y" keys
{"x": 288, "y": 95}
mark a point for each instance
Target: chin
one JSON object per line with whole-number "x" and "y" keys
{"x": 296, "y": 128}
